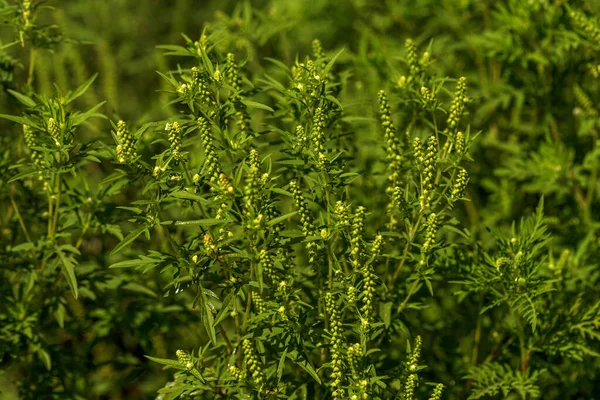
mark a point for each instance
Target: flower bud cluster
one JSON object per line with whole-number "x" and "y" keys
{"x": 428, "y": 174}
{"x": 301, "y": 138}
{"x": 457, "y": 107}
{"x": 342, "y": 215}
{"x": 585, "y": 102}
{"x": 26, "y": 13}
{"x": 260, "y": 305}
{"x": 55, "y": 131}
{"x": 184, "y": 359}
{"x": 225, "y": 190}
{"x": 391, "y": 141}
{"x": 437, "y": 392}
{"x": 418, "y": 152}
{"x": 211, "y": 164}
{"x": 351, "y": 295}
{"x": 354, "y": 355}
{"x": 318, "y": 51}
{"x": 460, "y": 185}
{"x": 411, "y": 55}
{"x": 432, "y": 228}
{"x": 307, "y": 226}
{"x": 594, "y": 70}
{"x": 459, "y": 142}
{"x": 251, "y": 190}
{"x": 356, "y": 238}
{"x": 200, "y": 83}
{"x": 413, "y": 360}
{"x": 236, "y": 372}
{"x": 174, "y": 132}
{"x": 126, "y": 151}
{"x": 428, "y": 96}
{"x": 318, "y": 136}
{"x": 253, "y": 365}
{"x": 30, "y": 141}
{"x": 337, "y": 342}
{"x": 583, "y": 23}
{"x": 265, "y": 258}
{"x": 369, "y": 277}
{"x": 232, "y": 74}
{"x": 409, "y": 387}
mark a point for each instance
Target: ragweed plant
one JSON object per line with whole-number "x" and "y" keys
{"x": 260, "y": 214}
{"x": 292, "y": 218}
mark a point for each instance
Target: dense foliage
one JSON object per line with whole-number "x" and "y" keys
{"x": 348, "y": 200}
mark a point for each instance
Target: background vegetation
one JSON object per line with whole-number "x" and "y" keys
{"x": 508, "y": 304}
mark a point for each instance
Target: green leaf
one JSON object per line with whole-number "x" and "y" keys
{"x": 385, "y": 312}
{"x": 305, "y": 365}
{"x": 136, "y": 287}
{"x": 45, "y": 358}
{"x": 28, "y": 101}
{"x": 18, "y": 120}
{"x": 22, "y": 247}
{"x": 81, "y": 89}
{"x": 165, "y": 361}
{"x": 69, "y": 272}
{"x": 224, "y": 307}
{"x": 254, "y": 104}
{"x": 23, "y": 174}
{"x": 281, "y": 365}
{"x": 128, "y": 239}
{"x": 202, "y": 222}
{"x": 281, "y": 218}
{"x": 331, "y": 62}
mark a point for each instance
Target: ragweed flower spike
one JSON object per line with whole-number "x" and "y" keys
{"x": 432, "y": 228}
{"x": 211, "y": 162}
{"x": 460, "y": 143}
{"x": 342, "y": 215}
{"x": 36, "y": 157}
{"x": 583, "y": 23}
{"x": 585, "y": 102}
{"x": 252, "y": 184}
{"x": 413, "y": 360}
{"x": 428, "y": 174}
{"x": 457, "y": 107}
{"x": 391, "y": 141}
{"x": 418, "y": 152}
{"x": 307, "y": 226}
{"x": 357, "y": 234}
{"x": 411, "y": 55}
{"x": 354, "y": 354}
{"x": 460, "y": 185}
{"x": 184, "y": 359}
{"x": 174, "y": 132}
{"x": 437, "y": 392}
{"x": 126, "y": 151}
{"x": 428, "y": 96}
{"x": 54, "y": 131}
{"x": 409, "y": 387}
{"x": 318, "y": 136}
{"x": 337, "y": 342}
{"x": 317, "y": 48}
{"x": 300, "y": 137}
{"x": 253, "y": 365}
